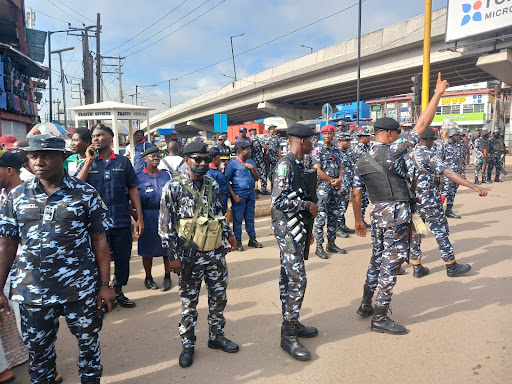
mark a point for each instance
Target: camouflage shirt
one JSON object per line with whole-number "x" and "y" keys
{"x": 424, "y": 167}
{"x": 281, "y": 190}
{"x": 273, "y": 144}
{"x": 178, "y": 203}
{"x": 450, "y": 154}
{"x": 348, "y": 160}
{"x": 257, "y": 153}
{"x": 56, "y": 264}
{"x": 329, "y": 159}
{"x": 395, "y": 213}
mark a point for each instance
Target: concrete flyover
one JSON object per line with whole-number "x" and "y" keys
{"x": 296, "y": 90}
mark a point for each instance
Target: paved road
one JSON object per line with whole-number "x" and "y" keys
{"x": 459, "y": 328}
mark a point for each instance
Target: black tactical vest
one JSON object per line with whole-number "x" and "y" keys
{"x": 483, "y": 144}
{"x": 384, "y": 185}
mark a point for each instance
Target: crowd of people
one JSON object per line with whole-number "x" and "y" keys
{"x": 63, "y": 223}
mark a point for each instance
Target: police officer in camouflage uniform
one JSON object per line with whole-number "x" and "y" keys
{"x": 64, "y": 266}
{"x": 348, "y": 160}
{"x": 382, "y": 170}
{"x": 258, "y": 156}
{"x": 497, "y": 149}
{"x": 179, "y": 201}
{"x": 361, "y": 147}
{"x": 291, "y": 204}
{"x": 424, "y": 166}
{"x": 327, "y": 161}
{"x": 482, "y": 157}
{"x": 450, "y": 153}
{"x": 273, "y": 146}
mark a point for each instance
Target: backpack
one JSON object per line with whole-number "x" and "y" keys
{"x": 173, "y": 172}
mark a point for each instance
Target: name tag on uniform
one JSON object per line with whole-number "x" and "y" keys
{"x": 27, "y": 206}
{"x": 107, "y": 174}
{"x": 149, "y": 189}
{"x": 48, "y": 213}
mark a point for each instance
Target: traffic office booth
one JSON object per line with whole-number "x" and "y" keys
{"x": 114, "y": 112}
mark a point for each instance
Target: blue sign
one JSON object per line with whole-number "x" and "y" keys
{"x": 220, "y": 122}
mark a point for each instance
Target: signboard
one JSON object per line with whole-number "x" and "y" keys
{"x": 326, "y": 111}
{"x": 220, "y": 122}
{"x": 467, "y": 18}
{"x": 376, "y": 107}
{"x": 108, "y": 115}
{"x": 390, "y": 106}
{"x": 461, "y": 117}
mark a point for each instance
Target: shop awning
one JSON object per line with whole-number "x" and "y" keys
{"x": 31, "y": 68}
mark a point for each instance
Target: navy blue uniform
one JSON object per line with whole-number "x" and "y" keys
{"x": 221, "y": 179}
{"x": 112, "y": 180}
{"x": 242, "y": 182}
{"x": 138, "y": 161}
{"x": 150, "y": 192}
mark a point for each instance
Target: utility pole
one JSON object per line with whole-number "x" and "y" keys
{"x": 98, "y": 59}
{"x": 358, "y": 91}
{"x": 119, "y": 73}
{"x": 79, "y": 93}
{"x": 58, "y": 108}
{"x": 63, "y": 82}
{"x": 425, "y": 92}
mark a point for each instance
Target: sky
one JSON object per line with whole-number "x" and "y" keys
{"x": 188, "y": 41}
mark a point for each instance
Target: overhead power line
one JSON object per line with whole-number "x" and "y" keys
{"x": 51, "y": 17}
{"x": 145, "y": 29}
{"x": 270, "y": 41}
{"x": 170, "y": 25}
{"x": 85, "y": 17}
{"x": 70, "y": 15}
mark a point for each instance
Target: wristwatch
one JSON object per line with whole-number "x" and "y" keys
{"x": 105, "y": 284}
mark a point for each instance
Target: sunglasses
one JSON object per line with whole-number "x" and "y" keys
{"x": 200, "y": 159}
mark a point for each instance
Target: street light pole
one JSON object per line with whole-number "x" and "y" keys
{"x": 63, "y": 82}
{"x": 305, "y": 46}
{"x": 233, "y": 53}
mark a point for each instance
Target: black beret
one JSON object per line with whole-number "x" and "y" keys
{"x": 300, "y": 130}
{"x": 104, "y": 129}
{"x": 139, "y": 131}
{"x": 242, "y": 144}
{"x": 150, "y": 151}
{"x": 196, "y": 147}
{"x": 213, "y": 152}
{"x": 386, "y": 124}
{"x": 428, "y": 134}
{"x": 9, "y": 159}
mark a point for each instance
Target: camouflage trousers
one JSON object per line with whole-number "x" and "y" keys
{"x": 449, "y": 190}
{"x": 436, "y": 220}
{"x": 292, "y": 280}
{"x": 211, "y": 267}
{"x": 328, "y": 211}
{"x": 262, "y": 170}
{"x": 344, "y": 201}
{"x": 271, "y": 168}
{"x": 390, "y": 247}
{"x": 495, "y": 162}
{"x": 364, "y": 202}
{"x": 39, "y": 326}
{"x": 478, "y": 168}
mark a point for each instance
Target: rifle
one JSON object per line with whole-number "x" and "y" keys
{"x": 187, "y": 261}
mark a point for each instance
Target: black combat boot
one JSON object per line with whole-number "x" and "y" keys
{"x": 345, "y": 228}
{"x": 477, "y": 182}
{"x": 382, "y": 323}
{"x": 420, "y": 271}
{"x": 88, "y": 380}
{"x": 186, "y": 357}
{"x": 290, "y": 343}
{"x": 449, "y": 213}
{"x": 340, "y": 233}
{"x": 489, "y": 177}
{"x": 454, "y": 269}
{"x": 332, "y": 247}
{"x": 303, "y": 331}
{"x": 121, "y": 299}
{"x": 320, "y": 252}
{"x": 366, "y": 309}
{"x": 239, "y": 246}
{"x": 254, "y": 243}
{"x": 497, "y": 179}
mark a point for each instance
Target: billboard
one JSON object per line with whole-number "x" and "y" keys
{"x": 472, "y": 17}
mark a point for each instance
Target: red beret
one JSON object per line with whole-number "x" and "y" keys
{"x": 327, "y": 128}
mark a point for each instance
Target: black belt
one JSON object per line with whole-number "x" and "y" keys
{"x": 150, "y": 207}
